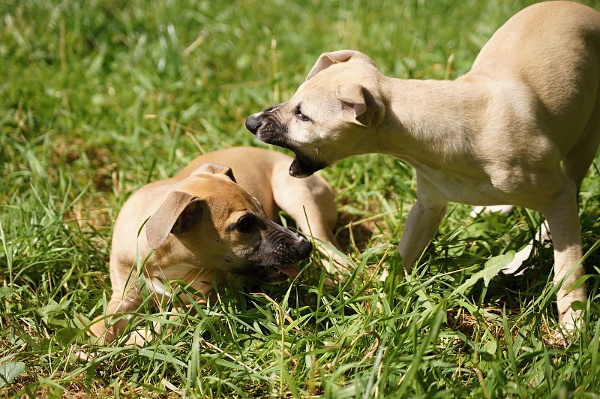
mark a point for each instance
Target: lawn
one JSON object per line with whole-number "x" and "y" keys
{"x": 99, "y": 97}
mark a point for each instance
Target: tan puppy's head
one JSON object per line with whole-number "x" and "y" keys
{"x": 209, "y": 221}
{"x": 327, "y": 118}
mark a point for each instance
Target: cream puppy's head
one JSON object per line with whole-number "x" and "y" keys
{"x": 328, "y": 117}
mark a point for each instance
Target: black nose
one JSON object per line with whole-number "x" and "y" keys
{"x": 304, "y": 249}
{"x": 253, "y": 123}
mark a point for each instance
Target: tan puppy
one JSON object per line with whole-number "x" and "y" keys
{"x": 496, "y": 135}
{"x": 202, "y": 225}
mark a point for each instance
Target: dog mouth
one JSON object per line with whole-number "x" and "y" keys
{"x": 270, "y": 274}
{"x": 284, "y": 273}
{"x": 303, "y": 167}
{"x": 290, "y": 271}
{"x": 273, "y": 274}
{"x": 267, "y": 127}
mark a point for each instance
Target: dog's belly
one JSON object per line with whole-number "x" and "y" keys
{"x": 467, "y": 191}
{"x": 508, "y": 187}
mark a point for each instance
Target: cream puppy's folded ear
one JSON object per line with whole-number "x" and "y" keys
{"x": 353, "y": 99}
{"x": 177, "y": 214}
{"x": 335, "y": 57}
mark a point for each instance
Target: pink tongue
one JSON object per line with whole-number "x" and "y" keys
{"x": 290, "y": 271}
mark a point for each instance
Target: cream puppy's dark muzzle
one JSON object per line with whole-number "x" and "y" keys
{"x": 268, "y": 128}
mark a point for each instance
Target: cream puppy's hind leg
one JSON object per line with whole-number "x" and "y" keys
{"x": 565, "y": 226}
{"x": 563, "y": 220}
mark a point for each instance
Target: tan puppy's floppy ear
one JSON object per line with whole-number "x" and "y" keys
{"x": 212, "y": 168}
{"x": 353, "y": 98}
{"x": 178, "y": 213}
{"x": 335, "y": 57}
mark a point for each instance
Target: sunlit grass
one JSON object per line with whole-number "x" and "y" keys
{"x": 97, "y": 98}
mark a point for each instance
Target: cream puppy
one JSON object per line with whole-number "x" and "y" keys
{"x": 520, "y": 128}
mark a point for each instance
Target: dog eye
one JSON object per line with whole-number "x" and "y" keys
{"x": 246, "y": 224}
{"x": 300, "y": 115}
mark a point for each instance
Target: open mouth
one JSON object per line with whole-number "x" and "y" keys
{"x": 290, "y": 271}
{"x": 280, "y": 274}
{"x": 303, "y": 167}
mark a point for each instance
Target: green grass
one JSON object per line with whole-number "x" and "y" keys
{"x": 99, "y": 97}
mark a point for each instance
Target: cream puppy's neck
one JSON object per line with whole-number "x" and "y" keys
{"x": 433, "y": 118}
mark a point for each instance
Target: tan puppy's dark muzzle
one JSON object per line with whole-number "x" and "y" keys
{"x": 276, "y": 258}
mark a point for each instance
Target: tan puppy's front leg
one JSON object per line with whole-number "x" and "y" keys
{"x": 312, "y": 207}
{"x": 421, "y": 223}
{"x": 105, "y": 328}
{"x": 565, "y": 228}
{"x": 143, "y": 336}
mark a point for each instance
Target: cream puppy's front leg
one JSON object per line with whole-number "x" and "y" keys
{"x": 422, "y": 223}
